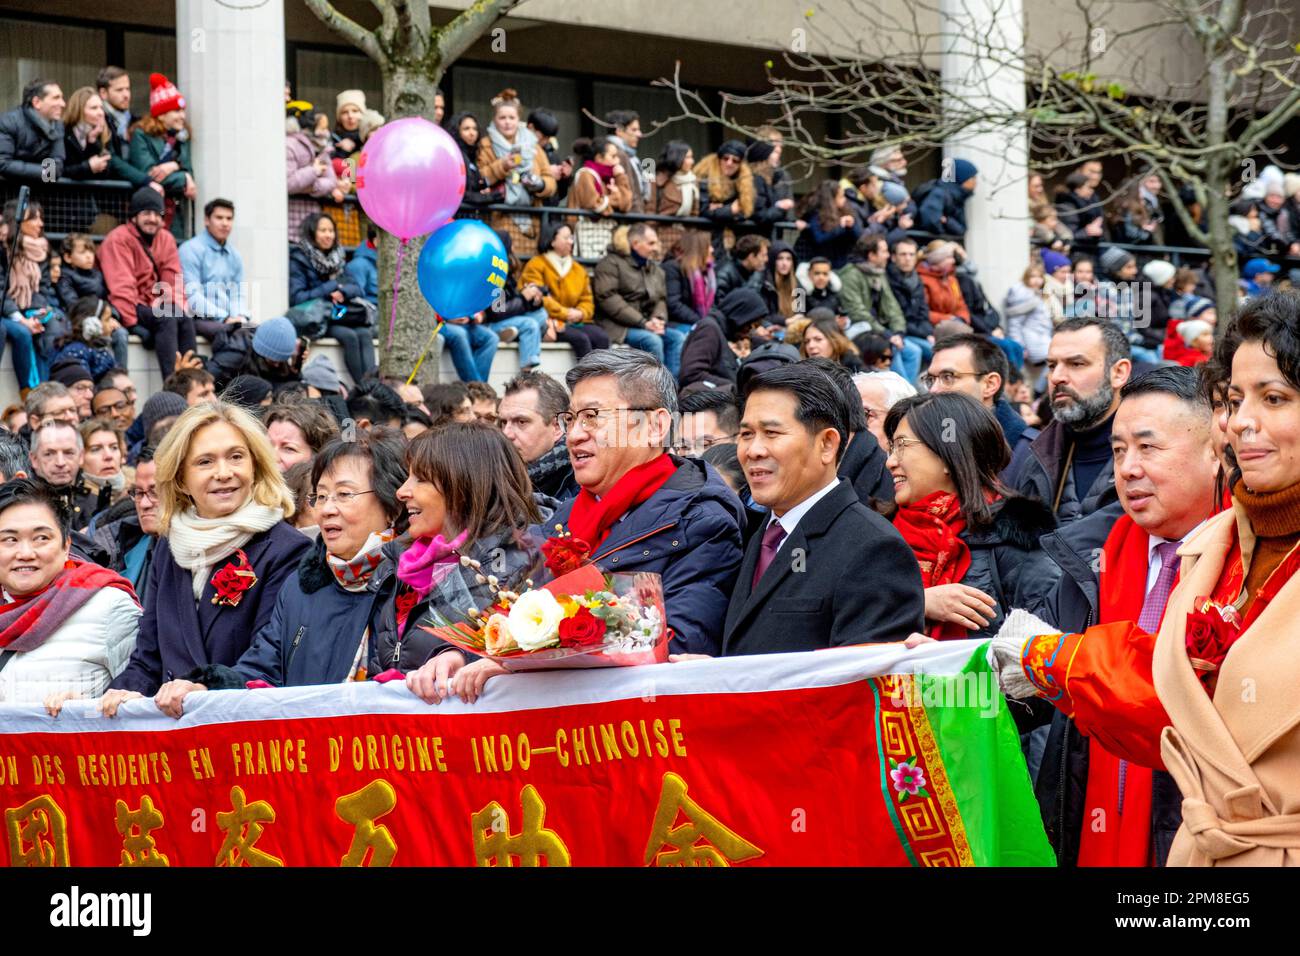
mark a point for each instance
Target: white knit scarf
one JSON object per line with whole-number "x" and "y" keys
{"x": 516, "y": 195}
{"x": 690, "y": 192}
{"x": 197, "y": 544}
{"x": 561, "y": 264}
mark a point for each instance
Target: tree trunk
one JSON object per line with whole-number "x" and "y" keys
{"x": 407, "y": 92}
{"x": 1223, "y": 265}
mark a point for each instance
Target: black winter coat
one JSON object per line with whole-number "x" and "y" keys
{"x": 999, "y": 558}
{"x": 76, "y": 283}
{"x": 731, "y": 275}
{"x": 314, "y": 632}
{"x": 305, "y": 283}
{"x": 983, "y": 317}
{"x": 1041, "y": 468}
{"x": 681, "y": 303}
{"x": 178, "y": 636}
{"x": 911, "y": 299}
{"x": 858, "y": 583}
{"x": 408, "y": 649}
{"x": 76, "y": 159}
{"x": 706, "y": 356}
{"x": 25, "y": 144}
{"x": 941, "y": 208}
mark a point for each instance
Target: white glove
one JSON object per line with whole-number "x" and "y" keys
{"x": 1005, "y": 649}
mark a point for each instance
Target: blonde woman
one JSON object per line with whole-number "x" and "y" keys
{"x": 86, "y": 136}
{"x": 509, "y": 153}
{"x": 224, "y": 549}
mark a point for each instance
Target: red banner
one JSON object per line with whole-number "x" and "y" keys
{"x": 626, "y": 768}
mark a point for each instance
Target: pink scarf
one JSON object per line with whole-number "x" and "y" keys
{"x": 604, "y": 173}
{"x": 25, "y": 276}
{"x": 427, "y": 561}
{"x": 704, "y": 286}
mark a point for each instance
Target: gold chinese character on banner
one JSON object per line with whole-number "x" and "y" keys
{"x": 700, "y": 841}
{"x": 495, "y": 845}
{"x": 244, "y": 824}
{"x": 362, "y": 809}
{"x": 138, "y": 848}
{"x": 38, "y": 834}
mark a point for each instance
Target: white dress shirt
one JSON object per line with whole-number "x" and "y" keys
{"x": 1153, "y": 557}
{"x": 790, "y": 520}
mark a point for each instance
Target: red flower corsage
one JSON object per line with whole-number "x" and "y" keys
{"x": 233, "y": 580}
{"x": 1211, "y": 630}
{"x": 565, "y": 553}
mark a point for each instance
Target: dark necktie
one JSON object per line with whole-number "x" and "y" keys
{"x": 772, "y": 539}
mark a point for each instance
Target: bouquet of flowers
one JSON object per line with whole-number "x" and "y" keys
{"x": 585, "y": 618}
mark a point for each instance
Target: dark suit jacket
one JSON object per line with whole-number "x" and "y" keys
{"x": 177, "y": 636}
{"x": 858, "y": 583}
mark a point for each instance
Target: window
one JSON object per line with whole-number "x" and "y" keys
{"x": 29, "y": 50}
{"x": 323, "y": 75}
{"x": 147, "y": 53}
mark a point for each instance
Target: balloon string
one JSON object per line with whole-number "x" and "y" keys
{"x": 428, "y": 345}
{"x": 397, "y": 285}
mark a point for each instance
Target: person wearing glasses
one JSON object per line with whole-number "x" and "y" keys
{"x": 111, "y": 404}
{"x": 323, "y": 629}
{"x": 129, "y": 541}
{"x": 971, "y": 535}
{"x": 708, "y": 417}
{"x": 975, "y": 366}
{"x": 222, "y": 509}
{"x": 641, "y": 508}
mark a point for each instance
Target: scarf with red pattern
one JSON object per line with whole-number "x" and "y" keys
{"x": 932, "y": 527}
{"x": 29, "y": 621}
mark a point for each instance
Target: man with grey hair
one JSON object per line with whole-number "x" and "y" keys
{"x": 56, "y": 456}
{"x": 13, "y": 457}
{"x": 50, "y": 402}
{"x": 890, "y": 160}
{"x": 1070, "y": 465}
{"x": 641, "y": 508}
{"x": 880, "y": 391}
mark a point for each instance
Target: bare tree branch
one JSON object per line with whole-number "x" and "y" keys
{"x": 459, "y": 35}
{"x": 348, "y": 29}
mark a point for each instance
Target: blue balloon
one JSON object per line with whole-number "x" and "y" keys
{"x": 462, "y": 268}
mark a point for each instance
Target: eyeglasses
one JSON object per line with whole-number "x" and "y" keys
{"x": 701, "y": 445}
{"x": 344, "y": 498}
{"x": 899, "y": 445}
{"x": 115, "y": 407}
{"x": 948, "y": 378}
{"x": 589, "y": 418}
{"x": 139, "y": 494}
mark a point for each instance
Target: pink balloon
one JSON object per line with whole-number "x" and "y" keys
{"x": 410, "y": 177}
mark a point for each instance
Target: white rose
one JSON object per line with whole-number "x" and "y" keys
{"x": 534, "y": 620}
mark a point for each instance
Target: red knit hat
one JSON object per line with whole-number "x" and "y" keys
{"x": 163, "y": 97}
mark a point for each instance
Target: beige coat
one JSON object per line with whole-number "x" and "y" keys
{"x": 1235, "y": 758}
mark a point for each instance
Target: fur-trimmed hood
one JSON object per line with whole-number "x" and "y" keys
{"x": 722, "y": 188}
{"x": 805, "y": 282}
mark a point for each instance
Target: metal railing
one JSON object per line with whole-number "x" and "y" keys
{"x": 92, "y": 206}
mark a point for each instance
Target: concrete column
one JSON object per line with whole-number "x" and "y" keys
{"x": 230, "y": 68}
{"x": 982, "y": 70}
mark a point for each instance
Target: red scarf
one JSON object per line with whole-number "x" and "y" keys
{"x": 932, "y": 527}
{"x": 29, "y": 621}
{"x": 604, "y": 173}
{"x": 591, "y": 519}
{"x": 1126, "y": 838}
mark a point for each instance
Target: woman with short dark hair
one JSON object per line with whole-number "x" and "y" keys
{"x": 66, "y": 626}
{"x": 322, "y": 630}
{"x": 468, "y": 495}
{"x": 971, "y": 535}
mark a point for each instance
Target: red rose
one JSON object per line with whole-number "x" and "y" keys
{"x": 1208, "y": 638}
{"x": 232, "y": 581}
{"x": 584, "y": 629}
{"x": 565, "y": 554}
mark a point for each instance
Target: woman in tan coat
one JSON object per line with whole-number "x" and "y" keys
{"x": 1212, "y": 697}
{"x": 600, "y": 185}
{"x": 566, "y": 291}
{"x": 511, "y": 154}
